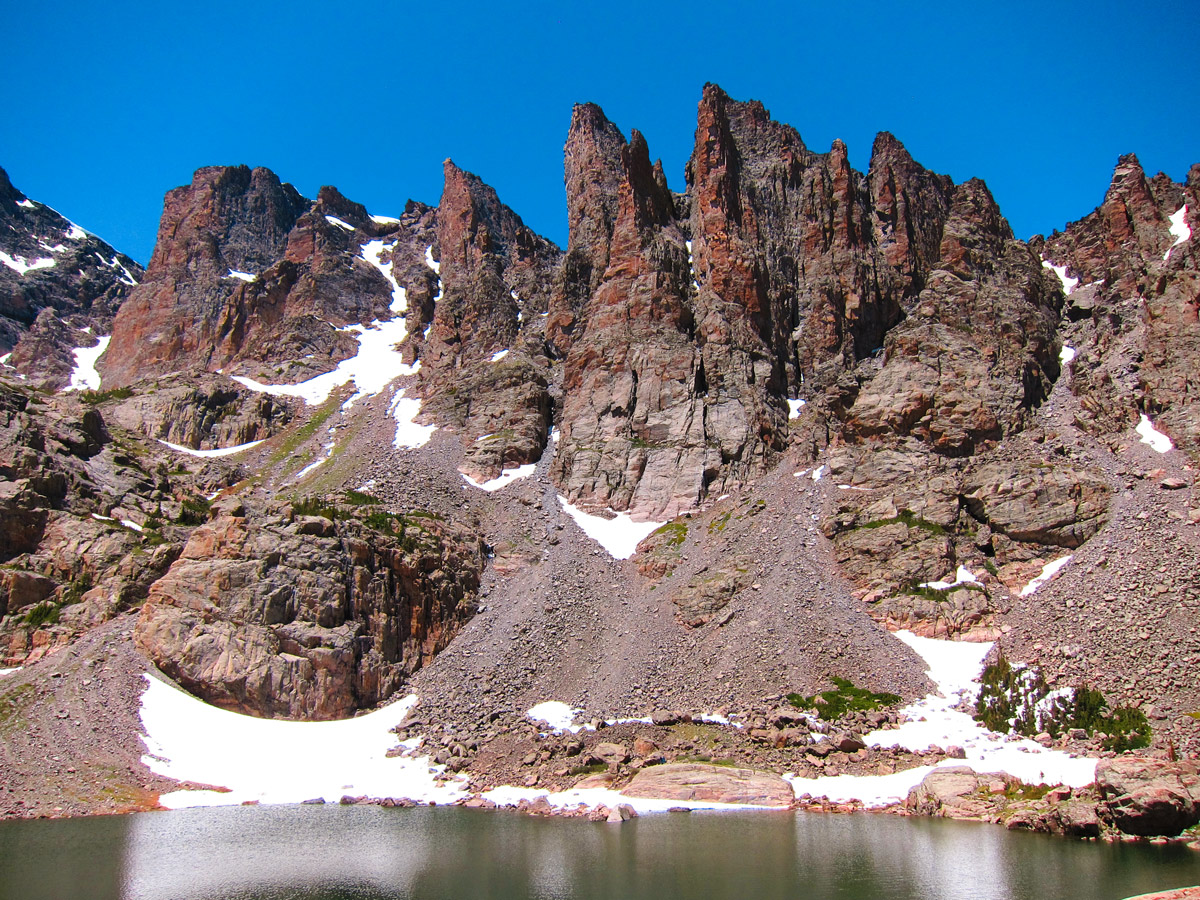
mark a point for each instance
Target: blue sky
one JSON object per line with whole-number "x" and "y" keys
{"x": 111, "y": 105}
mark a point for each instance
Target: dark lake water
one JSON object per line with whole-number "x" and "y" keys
{"x": 271, "y": 853}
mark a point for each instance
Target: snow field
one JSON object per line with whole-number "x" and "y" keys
{"x": 619, "y": 535}
{"x": 1158, "y": 441}
{"x": 276, "y": 761}
{"x": 506, "y": 477}
{"x": 210, "y": 454}
{"x": 84, "y": 376}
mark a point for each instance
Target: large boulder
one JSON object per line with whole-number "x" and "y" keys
{"x": 1149, "y": 796}
{"x": 949, "y": 791}
{"x": 716, "y": 784}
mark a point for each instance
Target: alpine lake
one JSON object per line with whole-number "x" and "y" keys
{"x": 328, "y": 852}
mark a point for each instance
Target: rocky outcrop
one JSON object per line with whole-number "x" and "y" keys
{"x": 1136, "y": 302}
{"x": 715, "y": 784}
{"x": 1149, "y": 797}
{"x": 485, "y": 359}
{"x": 282, "y": 615}
{"x": 798, "y": 270}
{"x": 249, "y": 275}
{"x": 59, "y": 287}
{"x": 201, "y": 412}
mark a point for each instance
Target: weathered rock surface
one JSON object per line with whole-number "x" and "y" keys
{"x": 56, "y": 280}
{"x": 301, "y": 616}
{"x": 249, "y": 275}
{"x": 696, "y": 781}
{"x": 949, "y": 791}
{"x": 486, "y": 367}
{"x": 1149, "y": 796}
{"x": 1136, "y": 302}
{"x": 201, "y": 412}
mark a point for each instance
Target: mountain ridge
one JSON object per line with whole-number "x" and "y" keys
{"x": 836, "y": 389}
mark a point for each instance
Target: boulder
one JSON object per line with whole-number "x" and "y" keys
{"x": 1149, "y": 797}
{"x": 949, "y": 791}
{"x": 717, "y": 784}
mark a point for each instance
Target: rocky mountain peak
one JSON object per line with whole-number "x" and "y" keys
{"x": 59, "y": 287}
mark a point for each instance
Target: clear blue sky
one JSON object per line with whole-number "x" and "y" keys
{"x": 109, "y": 105}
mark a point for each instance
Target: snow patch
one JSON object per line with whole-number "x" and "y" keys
{"x": 431, "y": 262}
{"x": 409, "y": 435}
{"x": 21, "y": 265}
{"x": 373, "y": 368}
{"x": 1152, "y": 436}
{"x": 371, "y": 252}
{"x": 1048, "y": 572}
{"x": 84, "y": 376}
{"x": 75, "y": 233}
{"x": 1179, "y": 228}
{"x": 794, "y": 407}
{"x": 619, "y": 535}
{"x": 277, "y": 761}
{"x": 241, "y": 276}
{"x": 961, "y": 577}
{"x": 210, "y": 454}
{"x": 818, "y": 473}
{"x": 27, "y": 203}
{"x": 508, "y": 476}
{"x": 1069, "y": 284}
{"x": 498, "y": 355}
{"x": 334, "y": 220}
{"x": 558, "y": 716}
{"x": 132, "y": 525}
{"x": 4, "y": 672}
{"x": 115, "y": 263}
{"x": 385, "y": 220}
{"x": 1066, "y": 355}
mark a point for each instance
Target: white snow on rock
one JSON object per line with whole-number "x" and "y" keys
{"x": 1179, "y": 228}
{"x": 961, "y": 577}
{"x": 619, "y": 535}
{"x": 508, "y": 476}
{"x": 334, "y": 220}
{"x": 132, "y": 525}
{"x": 1048, "y": 572}
{"x": 27, "y": 203}
{"x": 210, "y": 454}
{"x": 409, "y": 435}
{"x": 431, "y": 262}
{"x": 21, "y": 265}
{"x": 320, "y": 461}
{"x": 385, "y": 220}
{"x": 1069, "y": 284}
{"x": 4, "y": 672}
{"x": 1152, "y": 436}
{"x": 1066, "y": 355}
{"x": 691, "y": 265}
{"x": 818, "y": 473}
{"x": 955, "y": 668}
{"x": 241, "y": 276}
{"x": 84, "y": 376}
{"x": 557, "y": 716}
{"x": 371, "y": 253}
{"x": 498, "y": 355}
{"x": 276, "y": 761}
{"x": 75, "y": 233}
{"x": 373, "y": 368}
{"x": 794, "y": 407}
{"x": 115, "y": 263}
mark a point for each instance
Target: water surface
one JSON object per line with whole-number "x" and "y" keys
{"x": 310, "y": 852}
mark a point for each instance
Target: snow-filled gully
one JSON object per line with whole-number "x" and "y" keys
{"x": 272, "y": 761}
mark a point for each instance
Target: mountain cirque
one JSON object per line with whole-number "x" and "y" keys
{"x": 841, "y": 390}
